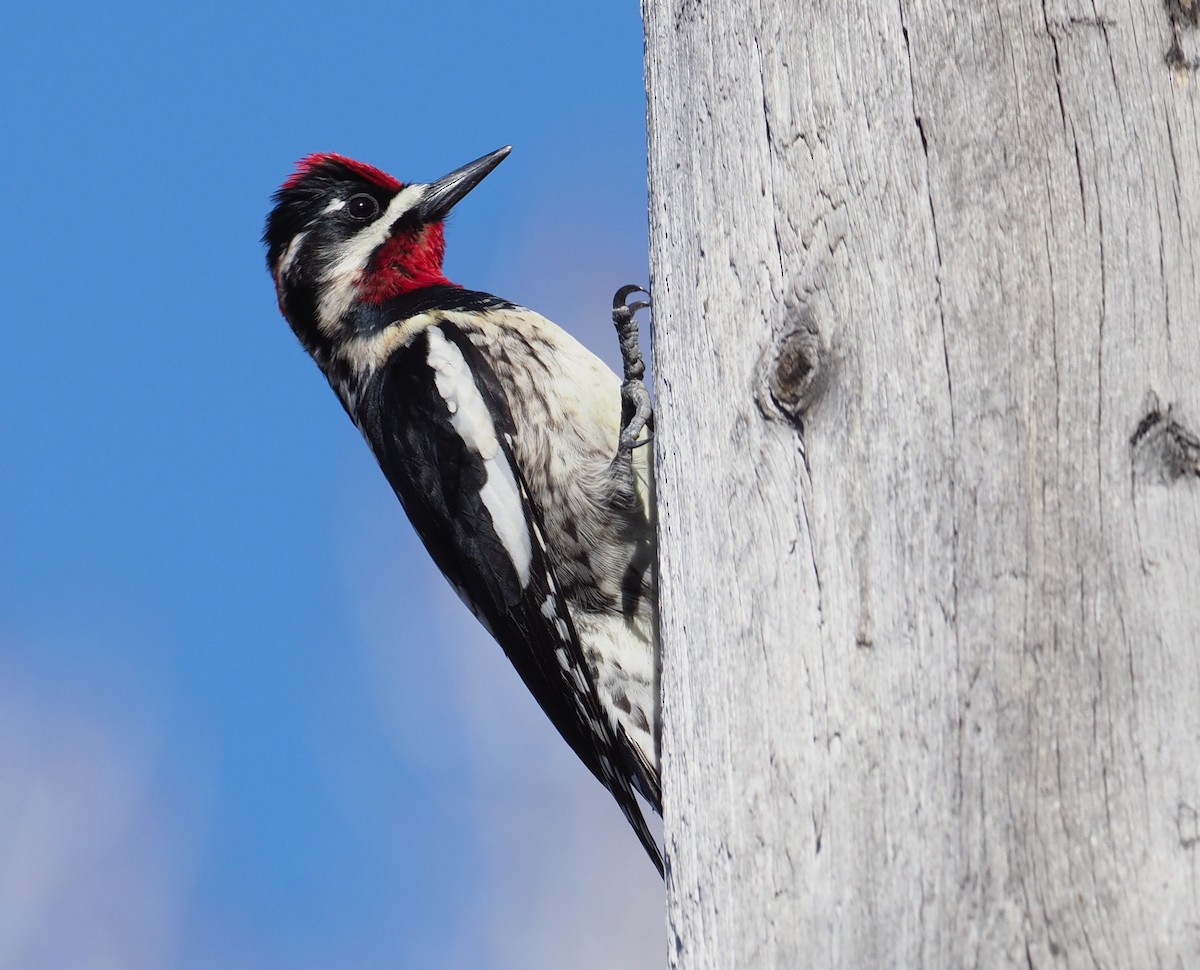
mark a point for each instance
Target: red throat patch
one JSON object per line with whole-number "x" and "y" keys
{"x": 368, "y": 172}
{"x": 410, "y": 260}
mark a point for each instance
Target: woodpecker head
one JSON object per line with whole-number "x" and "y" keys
{"x": 345, "y": 236}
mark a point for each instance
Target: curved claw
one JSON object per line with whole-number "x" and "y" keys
{"x": 636, "y": 305}
{"x": 624, "y": 293}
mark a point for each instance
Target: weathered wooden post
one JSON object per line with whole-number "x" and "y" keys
{"x": 926, "y": 282}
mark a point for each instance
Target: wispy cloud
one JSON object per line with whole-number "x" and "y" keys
{"x": 568, "y": 884}
{"x": 559, "y": 878}
{"x": 95, "y": 857}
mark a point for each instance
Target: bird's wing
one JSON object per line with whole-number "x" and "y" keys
{"x": 442, "y": 431}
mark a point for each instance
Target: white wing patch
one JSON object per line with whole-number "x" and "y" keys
{"x": 470, "y": 417}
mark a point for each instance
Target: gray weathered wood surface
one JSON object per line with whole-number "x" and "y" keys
{"x": 933, "y": 662}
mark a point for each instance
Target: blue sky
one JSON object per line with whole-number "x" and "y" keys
{"x": 242, "y": 722}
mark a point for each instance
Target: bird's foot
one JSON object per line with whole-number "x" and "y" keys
{"x": 636, "y": 410}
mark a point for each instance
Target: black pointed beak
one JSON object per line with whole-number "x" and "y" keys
{"x": 444, "y": 194}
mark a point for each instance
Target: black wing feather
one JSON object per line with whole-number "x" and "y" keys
{"x": 438, "y": 480}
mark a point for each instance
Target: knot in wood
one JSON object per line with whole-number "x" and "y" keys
{"x": 792, "y": 369}
{"x": 797, "y": 364}
{"x": 1163, "y": 449}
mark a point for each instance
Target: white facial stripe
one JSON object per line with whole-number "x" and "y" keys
{"x": 358, "y": 248}
{"x": 289, "y": 254}
{"x": 341, "y": 279}
{"x": 471, "y": 419}
{"x": 334, "y": 206}
{"x": 336, "y": 298}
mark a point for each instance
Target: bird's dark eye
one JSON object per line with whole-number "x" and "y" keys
{"x": 362, "y": 207}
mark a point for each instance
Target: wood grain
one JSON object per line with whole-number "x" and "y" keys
{"x": 931, "y": 624}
